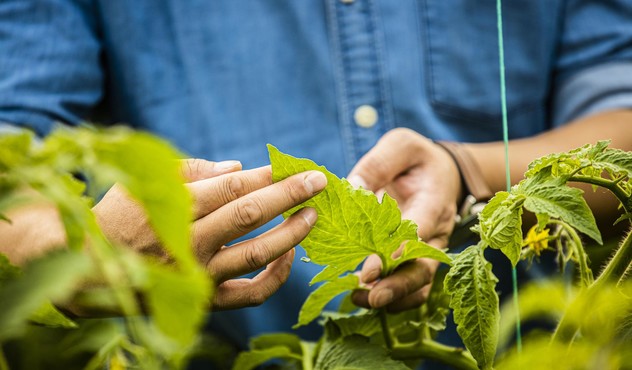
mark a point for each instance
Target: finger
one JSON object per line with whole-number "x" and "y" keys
{"x": 393, "y": 154}
{"x": 253, "y": 210}
{"x": 413, "y": 300}
{"x": 408, "y": 278}
{"x": 210, "y": 194}
{"x": 251, "y": 255}
{"x": 253, "y": 292}
{"x": 435, "y": 223}
{"x": 371, "y": 269}
{"x": 195, "y": 169}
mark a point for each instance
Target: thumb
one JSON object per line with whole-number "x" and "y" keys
{"x": 393, "y": 155}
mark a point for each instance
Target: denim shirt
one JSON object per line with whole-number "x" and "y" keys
{"x": 320, "y": 79}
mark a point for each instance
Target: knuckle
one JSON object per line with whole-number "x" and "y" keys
{"x": 248, "y": 214}
{"x": 234, "y": 188}
{"x": 194, "y": 168}
{"x": 296, "y": 229}
{"x": 296, "y": 191}
{"x": 257, "y": 255}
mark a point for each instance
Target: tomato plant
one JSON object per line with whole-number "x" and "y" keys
{"x": 594, "y": 317}
{"x": 158, "y": 333}
{"x": 161, "y": 329}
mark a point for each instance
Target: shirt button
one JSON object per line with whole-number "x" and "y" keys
{"x": 365, "y": 116}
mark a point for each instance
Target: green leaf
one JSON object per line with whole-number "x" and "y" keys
{"x": 615, "y": 161}
{"x": 7, "y": 270}
{"x": 148, "y": 168}
{"x": 177, "y": 307}
{"x": 541, "y": 353}
{"x": 366, "y": 323}
{"x": 291, "y": 341}
{"x": 252, "y": 359}
{"x": 49, "y": 315}
{"x": 351, "y": 224}
{"x": 46, "y": 314}
{"x": 50, "y": 278}
{"x": 471, "y": 286}
{"x": 501, "y": 224}
{"x": 319, "y": 298}
{"x": 565, "y": 203}
{"x": 355, "y": 353}
{"x": 532, "y": 307}
{"x": 14, "y": 149}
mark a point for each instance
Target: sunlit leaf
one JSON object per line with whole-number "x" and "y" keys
{"x": 471, "y": 286}
{"x": 562, "y": 202}
{"x": 251, "y": 359}
{"x": 352, "y": 224}
{"x": 319, "y": 298}
{"x": 50, "y": 278}
{"x": 501, "y": 224}
{"x": 355, "y": 353}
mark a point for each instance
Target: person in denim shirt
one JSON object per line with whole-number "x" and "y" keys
{"x": 357, "y": 85}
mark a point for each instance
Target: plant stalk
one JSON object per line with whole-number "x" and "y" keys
{"x": 458, "y": 358}
{"x": 386, "y": 331}
{"x": 613, "y": 273}
{"x": 618, "y": 265}
{"x": 4, "y": 365}
{"x": 613, "y": 186}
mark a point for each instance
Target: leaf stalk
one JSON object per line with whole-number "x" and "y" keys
{"x": 459, "y": 358}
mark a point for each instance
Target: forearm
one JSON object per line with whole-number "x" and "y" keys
{"x": 608, "y": 125}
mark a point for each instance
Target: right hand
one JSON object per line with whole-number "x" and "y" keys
{"x": 228, "y": 203}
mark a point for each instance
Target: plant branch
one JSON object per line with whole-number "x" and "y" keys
{"x": 615, "y": 270}
{"x": 613, "y": 186}
{"x": 456, "y": 357}
{"x": 618, "y": 265}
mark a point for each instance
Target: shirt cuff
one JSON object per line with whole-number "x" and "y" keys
{"x": 596, "y": 89}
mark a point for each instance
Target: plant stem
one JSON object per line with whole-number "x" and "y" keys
{"x": 458, "y": 358}
{"x": 4, "y": 365}
{"x": 584, "y": 271}
{"x": 616, "y": 268}
{"x": 386, "y": 331}
{"x": 613, "y": 186}
{"x": 613, "y": 273}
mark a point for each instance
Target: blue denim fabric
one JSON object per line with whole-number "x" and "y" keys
{"x": 221, "y": 78}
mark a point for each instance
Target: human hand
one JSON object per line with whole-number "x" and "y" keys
{"x": 425, "y": 182}
{"x": 228, "y": 203}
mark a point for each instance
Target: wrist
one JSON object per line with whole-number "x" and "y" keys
{"x": 475, "y": 192}
{"x": 473, "y": 184}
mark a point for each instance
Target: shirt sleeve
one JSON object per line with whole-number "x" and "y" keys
{"x": 593, "y": 70}
{"x": 49, "y": 66}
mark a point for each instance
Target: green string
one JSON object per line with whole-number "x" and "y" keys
{"x": 503, "y": 99}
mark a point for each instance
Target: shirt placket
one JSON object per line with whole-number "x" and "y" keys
{"x": 365, "y": 112}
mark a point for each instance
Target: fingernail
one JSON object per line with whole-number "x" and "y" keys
{"x": 383, "y": 297}
{"x": 226, "y": 165}
{"x": 309, "y": 215}
{"x": 357, "y": 181}
{"x": 315, "y": 181}
{"x": 371, "y": 275}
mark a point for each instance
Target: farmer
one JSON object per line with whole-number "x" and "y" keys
{"x": 361, "y": 86}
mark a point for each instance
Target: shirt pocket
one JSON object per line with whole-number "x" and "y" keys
{"x": 462, "y": 66}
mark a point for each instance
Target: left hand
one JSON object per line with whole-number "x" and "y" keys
{"x": 425, "y": 182}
